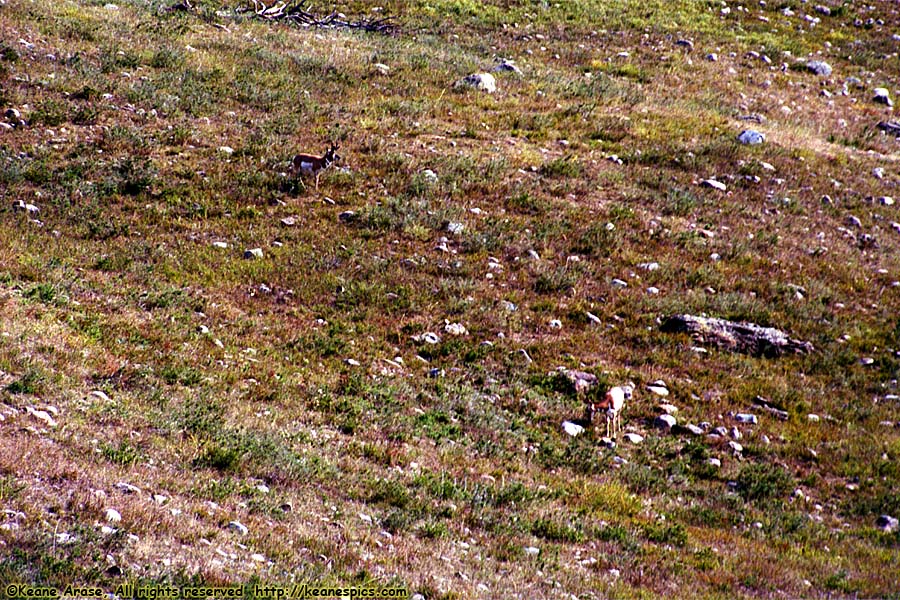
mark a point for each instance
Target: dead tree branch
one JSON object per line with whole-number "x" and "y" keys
{"x": 747, "y": 338}
{"x": 297, "y": 12}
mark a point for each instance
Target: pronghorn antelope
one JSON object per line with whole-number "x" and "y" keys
{"x": 307, "y": 164}
{"x": 612, "y": 403}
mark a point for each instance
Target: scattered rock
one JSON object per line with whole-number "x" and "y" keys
{"x": 712, "y": 183}
{"x": 253, "y": 253}
{"x": 693, "y": 429}
{"x": 819, "y": 67}
{"x": 430, "y": 176}
{"x": 455, "y": 228}
{"x": 381, "y": 68}
{"x": 737, "y": 448}
{"x": 484, "y": 82}
{"x": 348, "y": 216}
{"x": 581, "y": 380}
{"x": 532, "y": 551}
{"x": 853, "y": 221}
{"x": 427, "y": 338}
{"x": 30, "y": 209}
{"x": 649, "y": 266}
{"x": 226, "y": 150}
{"x": 887, "y": 523}
{"x": 885, "y": 200}
{"x": 634, "y": 438}
{"x": 751, "y": 136}
{"x": 746, "y": 418}
{"x": 891, "y": 127}
{"x": 238, "y": 527}
{"x": 289, "y": 221}
{"x": 659, "y": 390}
{"x": 665, "y": 422}
{"x": 127, "y": 488}
{"x": 685, "y": 43}
{"x": 883, "y": 96}
{"x": 555, "y": 324}
{"x": 352, "y": 362}
{"x": 736, "y": 433}
{"x": 669, "y": 409}
{"x": 112, "y": 515}
{"x": 507, "y": 66}
{"x": 455, "y": 329}
{"x": 813, "y": 418}
{"x": 714, "y": 462}
{"x": 712, "y": 57}
{"x": 619, "y": 283}
{"x": 572, "y": 429}
{"x": 42, "y": 415}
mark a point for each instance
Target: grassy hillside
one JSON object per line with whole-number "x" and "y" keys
{"x": 299, "y": 394}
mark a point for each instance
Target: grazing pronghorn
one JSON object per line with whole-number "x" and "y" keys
{"x": 307, "y": 164}
{"x": 612, "y": 403}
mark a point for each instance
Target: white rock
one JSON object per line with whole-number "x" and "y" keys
{"x": 253, "y": 253}
{"x": 428, "y": 337}
{"x": 714, "y": 462}
{"x": 752, "y": 137}
{"x": 712, "y": 183}
{"x": 99, "y": 395}
{"x": 572, "y": 429}
{"x": 665, "y": 422}
{"x": 532, "y": 551}
{"x": 883, "y": 96}
{"x": 653, "y": 290}
{"x": 455, "y": 329}
{"x": 736, "y": 447}
{"x": 693, "y": 429}
{"x": 238, "y": 527}
{"x": 812, "y": 418}
{"x": 634, "y": 438}
{"x": 112, "y": 515}
{"x": 886, "y": 200}
{"x": 381, "y": 68}
{"x": 226, "y": 150}
{"x": 258, "y": 558}
{"x": 669, "y": 409}
{"x": 262, "y": 488}
{"x": 619, "y": 283}
{"x": 42, "y": 415}
{"x": 555, "y": 324}
{"x": 819, "y": 67}
{"x": 658, "y": 390}
{"x": 352, "y": 362}
{"x": 127, "y": 488}
{"x": 887, "y": 523}
{"x": 484, "y": 82}
{"x": 160, "y": 499}
{"x": 746, "y": 418}
{"x": 736, "y": 433}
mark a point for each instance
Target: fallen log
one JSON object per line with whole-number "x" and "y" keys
{"x": 746, "y": 338}
{"x": 297, "y": 13}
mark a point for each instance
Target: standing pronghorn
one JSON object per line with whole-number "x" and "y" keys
{"x": 612, "y": 403}
{"x": 308, "y": 164}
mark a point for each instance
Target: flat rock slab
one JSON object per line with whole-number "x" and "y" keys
{"x": 746, "y": 338}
